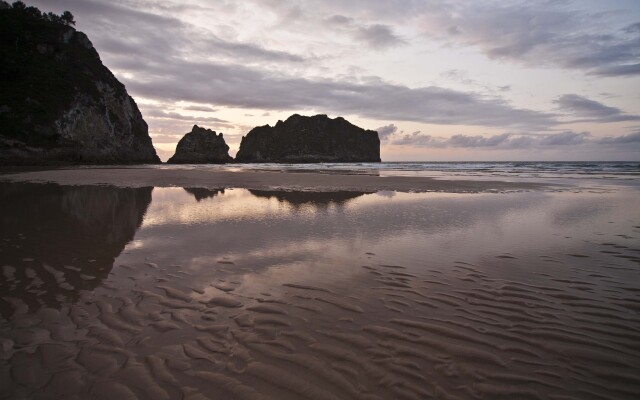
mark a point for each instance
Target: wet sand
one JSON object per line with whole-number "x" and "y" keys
{"x": 261, "y": 180}
{"x": 171, "y": 293}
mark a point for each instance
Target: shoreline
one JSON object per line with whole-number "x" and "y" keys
{"x": 262, "y": 180}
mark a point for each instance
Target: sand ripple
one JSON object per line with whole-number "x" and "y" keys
{"x": 507, "y": 326}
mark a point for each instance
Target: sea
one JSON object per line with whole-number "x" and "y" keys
{"x": 626, "y": 173}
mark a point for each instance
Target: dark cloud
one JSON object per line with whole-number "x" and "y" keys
{"x": 591, "y": 110}
{"x": 618, "y": 70}
{"x": 378, "y": 36}
{"x": 633, "y": 28}
{"x": 632, "y": 138}
{"x": 339, "y": 20}
{"x": 247, "y": 50}
{"x": 154, "y": 113}
{"x": 375, "y": 36}
{"x": 385, "y": 131}
{"x": 564, "y": 138}
{"x": 200, "y": 108}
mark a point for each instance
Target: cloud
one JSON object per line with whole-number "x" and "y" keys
{"x": 246, "y": 87}
{"x": 537, "y": 33}
{"x": 564, "y": 138}
{"x": 591, "y": 110}
{"x": 500, "y": 141}
{"x": 618, "y": 70}
{"x": 533, "y": 33}
{"x": 419, "y": 140}
{"x": 378, "y": 36}
{"x": 375, "y": 36}
{"x": 632, "y": 138}
{"x": 340, "y": 20}
{"x": 385, "y": 131}
{"x": 478, "y": 141}
{"x": 154, "y": 113}
{"x": 247, "y": 50}
{"x": 200, "y": 108}
{"x": 125, "y": 28}
{"x": 462, "y": 77}
{"x": 168, "y": 123}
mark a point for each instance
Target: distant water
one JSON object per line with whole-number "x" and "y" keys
{"x": 515, "y": 170}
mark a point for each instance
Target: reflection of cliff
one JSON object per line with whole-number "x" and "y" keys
{"x": 314, "y": 198}
{"x": 58, "y": 240}
{"x": 202, "y": 193}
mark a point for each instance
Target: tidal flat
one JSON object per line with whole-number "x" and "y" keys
{"x": 110, "y": 291}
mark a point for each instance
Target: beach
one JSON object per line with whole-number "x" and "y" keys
{"x": 296, "y": 180}
{"x": 188, "y": 283}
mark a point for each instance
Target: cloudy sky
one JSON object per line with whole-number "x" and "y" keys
{"x": 439, "y": 80}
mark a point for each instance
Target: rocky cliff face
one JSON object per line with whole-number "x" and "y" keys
{"x": 302, "y": 139}
{"x": 59, "y": 104}
{"x": 201, "y": 146}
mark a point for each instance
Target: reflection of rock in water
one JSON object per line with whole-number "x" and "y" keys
{"x": 314, "y": 198}
{"x": 57, "y": 240}
{"x": 203, "y": 193}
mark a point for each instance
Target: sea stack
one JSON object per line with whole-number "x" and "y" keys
{"x": 59, "y": 104}
{"x": 201, "y": 146}
{"x": 302, "y": 139}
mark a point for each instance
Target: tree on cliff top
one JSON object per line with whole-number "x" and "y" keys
{"x": 66, "y": 18}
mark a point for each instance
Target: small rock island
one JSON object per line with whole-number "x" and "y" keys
{"x": 201, "y": 146}
{"x": 315, "y": 139}
{"x": 58, "y": 103}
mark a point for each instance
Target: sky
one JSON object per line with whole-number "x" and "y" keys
{"x": 439, "y": 80}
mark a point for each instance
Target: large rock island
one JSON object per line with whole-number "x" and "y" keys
{"x": 201, "y": 146}
{"x": 59, "y": 104}
{"x": 302, "y": 139}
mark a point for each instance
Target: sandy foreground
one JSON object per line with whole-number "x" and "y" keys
{"x": 261, "y": 180}
{"x": 143, "y": 290}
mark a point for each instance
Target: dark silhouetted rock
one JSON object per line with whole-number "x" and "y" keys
{"x": 203, "y": 193}
{"x": 201, "y": 146}
{"x": 59, "y": 104}
{"x": 302, "y": 139}
{"x": 314, "y": 198}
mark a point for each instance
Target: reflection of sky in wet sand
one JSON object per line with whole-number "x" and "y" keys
{"x": 334, "y": 295}
{"x": 310, "y": 241}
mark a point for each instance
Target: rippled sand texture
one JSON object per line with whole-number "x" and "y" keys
{"x": 274, "y": 295}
